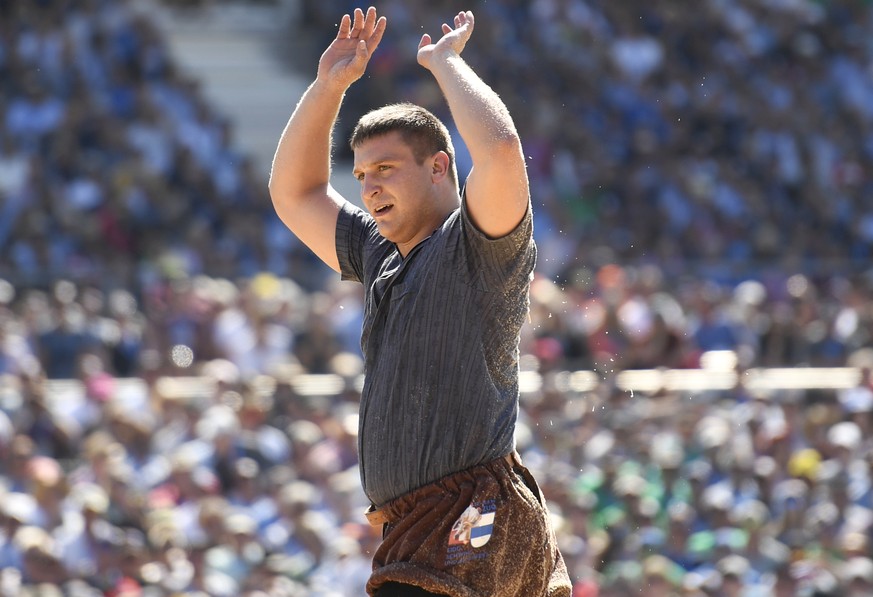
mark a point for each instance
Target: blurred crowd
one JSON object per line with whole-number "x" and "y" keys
{"x": 699, "y": 183}
{"x": 733, "y": 135}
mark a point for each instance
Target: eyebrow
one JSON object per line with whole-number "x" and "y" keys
{"x": 384, "y": 159}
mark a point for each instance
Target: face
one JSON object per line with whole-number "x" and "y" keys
{"x": 400, "y": 194}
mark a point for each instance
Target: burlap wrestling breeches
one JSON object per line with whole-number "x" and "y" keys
{"x": 483, "y": 532}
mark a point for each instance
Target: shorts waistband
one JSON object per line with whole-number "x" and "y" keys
{"x": 382, "y": 515}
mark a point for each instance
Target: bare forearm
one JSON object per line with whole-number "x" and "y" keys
{"x": 300, "y": 179}
{"x": 496, "y": 189}
{"x": 301, "y": 164}
{"x": 480, "y": 115}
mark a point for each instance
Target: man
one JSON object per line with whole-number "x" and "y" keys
{"x": 446, "y": 276}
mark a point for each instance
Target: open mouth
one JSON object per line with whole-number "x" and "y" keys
{"x": 383, "y": 209}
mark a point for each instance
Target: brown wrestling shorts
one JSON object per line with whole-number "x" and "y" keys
{"x": 480, "y": 532}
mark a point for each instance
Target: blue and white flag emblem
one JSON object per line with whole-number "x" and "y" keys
{"x": 474, "y": 526}
{"x": 481, "y": 531}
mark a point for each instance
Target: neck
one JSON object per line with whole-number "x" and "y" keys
{"x": 434, "y": 221}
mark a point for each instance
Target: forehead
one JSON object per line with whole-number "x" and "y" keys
{"x": 389, "y": 146}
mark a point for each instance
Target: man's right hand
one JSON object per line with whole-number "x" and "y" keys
{"x": 345, "y": 59}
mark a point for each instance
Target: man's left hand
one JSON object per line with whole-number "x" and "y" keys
{"x": 453, "y": 39}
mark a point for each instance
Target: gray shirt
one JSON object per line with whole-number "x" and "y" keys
{"x": 440, "y": 344}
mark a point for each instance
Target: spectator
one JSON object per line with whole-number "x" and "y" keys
{"x": 712, "y": 196}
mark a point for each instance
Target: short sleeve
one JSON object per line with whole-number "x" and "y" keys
{"x": 352, "y": 229}
{"x": 512, "y": 256}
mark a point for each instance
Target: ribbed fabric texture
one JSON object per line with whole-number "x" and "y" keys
{"x": 440, "y": 344}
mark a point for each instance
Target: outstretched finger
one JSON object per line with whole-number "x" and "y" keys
{"x": 376, "y": 37}
{"x": 345, "y": 25}
{"x": 358, "y": 25}
{"x": 369, "y": 23}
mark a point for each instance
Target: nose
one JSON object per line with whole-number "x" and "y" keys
{"x": 369, "y": 188}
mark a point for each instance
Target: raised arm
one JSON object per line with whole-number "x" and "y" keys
{"x": 497, "y": 186}
{"x": 300, "y": 178}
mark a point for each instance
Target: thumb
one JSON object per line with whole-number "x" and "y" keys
{"x": 361, "y": 55}
{"x": 425, "y": 40}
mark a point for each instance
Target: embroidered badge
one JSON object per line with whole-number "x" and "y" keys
{"x": 471, "y": 531}
{"x": 462, "y": 530}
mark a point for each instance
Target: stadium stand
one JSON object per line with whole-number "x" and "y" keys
{"x": 178, "y": 389}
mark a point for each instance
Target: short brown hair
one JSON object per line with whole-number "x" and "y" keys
{"x": 420, "y": 129}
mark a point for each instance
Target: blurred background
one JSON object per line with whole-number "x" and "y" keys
{"x": 179, "y": 376}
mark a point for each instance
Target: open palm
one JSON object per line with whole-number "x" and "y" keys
{"x": 345, "y": 59}
{"x": 453, "y": 39}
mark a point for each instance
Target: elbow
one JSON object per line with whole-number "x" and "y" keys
{"x": 282, "y": 189}
{"x": 281, "y": 195}
{"x": 508, "y": 141}
{"x": 505, "y": 144}
{"x": 273, "y": 185}
{"x": 289, "y": 188}
{"x": 278, "y": 184}
{"x": 275, "y": 192}
{"x": 504, "y": 133}
{"x": 274, "y": 189}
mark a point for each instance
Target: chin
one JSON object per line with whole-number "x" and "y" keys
{"x": 386, "y": 234}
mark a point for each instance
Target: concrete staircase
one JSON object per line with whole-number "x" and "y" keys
{"x": 233, "y": 48}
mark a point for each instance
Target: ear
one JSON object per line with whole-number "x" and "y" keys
{"x": 440, "y": 166}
